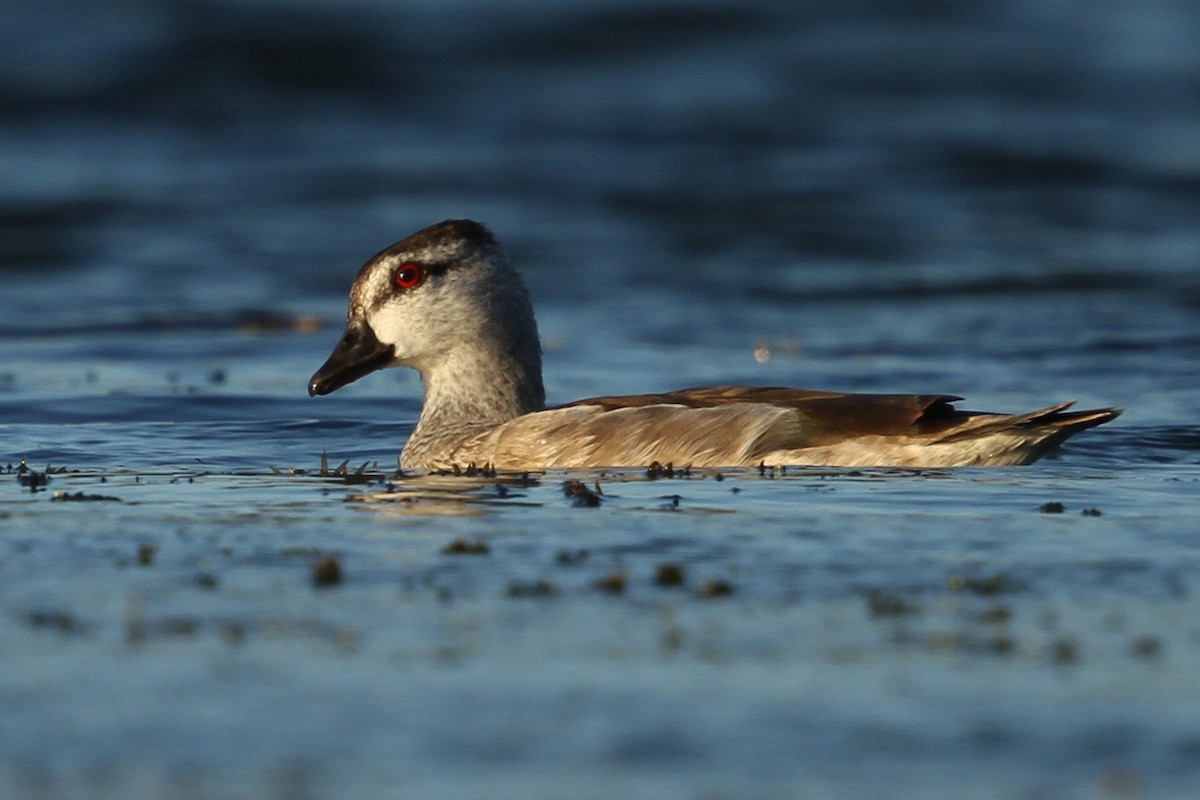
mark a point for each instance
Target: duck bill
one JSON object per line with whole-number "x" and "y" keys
{"x": 359, "y": 352}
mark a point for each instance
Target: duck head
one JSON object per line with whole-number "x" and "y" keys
{"x": 447, "y": 302}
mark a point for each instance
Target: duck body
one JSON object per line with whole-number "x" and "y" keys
{"x": 724, "y": 426}
{"x": 447, "y": 302}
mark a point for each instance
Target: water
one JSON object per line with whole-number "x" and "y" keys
{"x": 996, "y": 200}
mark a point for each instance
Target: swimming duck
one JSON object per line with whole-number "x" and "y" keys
{"x": 447, "y": 302}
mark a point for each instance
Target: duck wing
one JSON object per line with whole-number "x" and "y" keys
{"x": 820, "y": 414}
{"x": 736, "y": 425}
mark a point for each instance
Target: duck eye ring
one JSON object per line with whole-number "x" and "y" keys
{"x": 408, "y": 275}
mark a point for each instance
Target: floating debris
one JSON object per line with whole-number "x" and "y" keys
{"x": 31, "y": 479}
{"x": 234, "y": 633}
{"x": 612, "y": 584}
{"x": 1002, "y": 645}
{"x": 139, "y": 630}
{"x": 581, "y": 496}
{"x": 145, "y": 554}
{"x": 1146, "y": 647}
{"x": 1064, "y": 651}
{"x": 1091, "y": 512}
{"x": 657, "y": 470}
{"x": 568, "y": 558}
{"x": 996, "y": 616}
{"x": 206, "y": 580}
{"x": 467, "y": 547}
{"x": 24, "y": 469}
{"x": 326, "y": 572}
{"x": 715, "y": 587}
{"x": 360, "y": 475}
{"x": 80, "y": 497}
{"x": 538, "y": 588}
{"x": 982, "y": 586}
{"x": 882, "y": 604}
{"x": 669, "y": 575}
{"x": 55, "y": 620}
{"x": 765, "y": 471}
{"x": 470, "y": 471}
{"x": 1053, "y": 507}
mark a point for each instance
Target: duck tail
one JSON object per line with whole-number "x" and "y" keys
{"x": 1047, "y": 426}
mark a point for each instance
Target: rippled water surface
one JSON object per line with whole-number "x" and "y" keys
{"x": 212, "y": 585}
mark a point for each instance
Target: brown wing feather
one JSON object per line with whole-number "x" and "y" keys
{"x": 845, "y": 414}
{"x": 703, "y": 397}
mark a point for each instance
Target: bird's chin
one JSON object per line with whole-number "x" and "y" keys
{"x": 357, "y": 354}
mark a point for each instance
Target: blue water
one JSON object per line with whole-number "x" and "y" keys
{"x": 997, "y": 200}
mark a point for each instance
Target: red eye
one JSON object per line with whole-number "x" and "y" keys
{"x": 408, "y": 275}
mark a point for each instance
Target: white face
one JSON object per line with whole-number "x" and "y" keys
{"x": 420, "y": 306}
{"x": 398, "y": 316}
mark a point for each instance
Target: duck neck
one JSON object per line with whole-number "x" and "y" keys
{"x": 473, "y": 391}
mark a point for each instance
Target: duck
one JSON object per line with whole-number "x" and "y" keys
{"x": 447, "y": 302}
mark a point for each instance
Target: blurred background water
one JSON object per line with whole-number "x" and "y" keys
{"x": 994, "y": 199}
